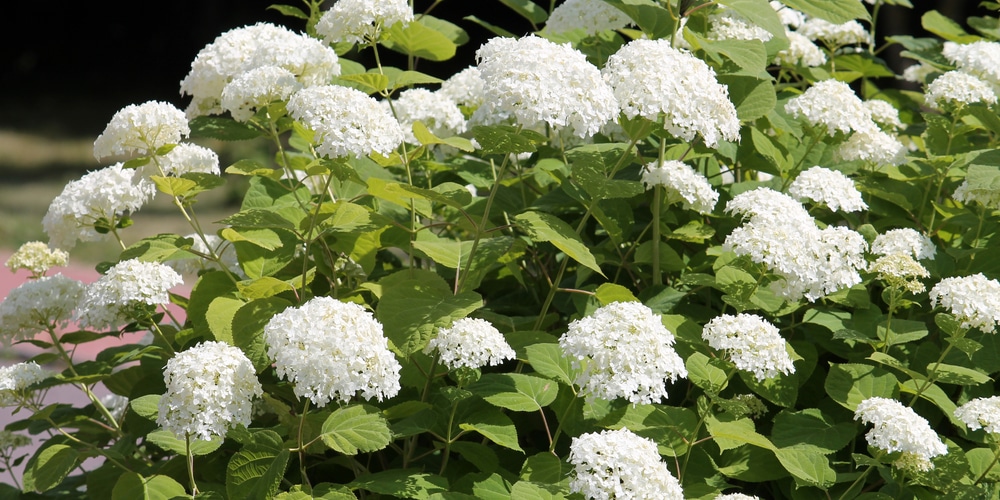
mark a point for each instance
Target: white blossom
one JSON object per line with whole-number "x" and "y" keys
{"x": 800, "y": 50}
{"x": 830, "y": 187}
{"x": 624, "y": 351}
{"x": 918, "y": 73}
{"x": 201, "y": 260}
{"x": 356, "y": 21}
{"x": 471, "y": 343}
{"x": 347, "y": 122}
{"x": 753, "y": 344}
{"x": 981, "y": 413}
{"x": 884, "y": 114}
{"x": 650, "y": 78}
{"x": 620, "y": 464}
{"x": 974, "y": 300}
{"x": 989, "y": 198}
{"x": 592, "y": 16}
{"x": 141, "y": 129}
{"x": 183, "y": 159}
{"x": 39, "y": 305}
{"x": 900, "y": 270}
{"x": 255, "y": 89}
{"x": 36, "y": 257}
{"x": 464, "y": 88}
{"x": 897, "y": 428}
{"x": 210, "y": 389}
{"x": 116, "y": 405}
{"x": 790, "y": 17}
{"x": 15, "y": 380}
{"x": 873, "y": 145}
{"x": 959, "y": 88}
{"x": 127, "y": 289}
{"x": 736, "y": 496}
{"x": 728, "y": 24}
{"x": 332, "y": 350}
{"x": 980, "y": 58}
{"x": 436, "y": 111}
{"x": 832, "y": 104}
{"x": 834, "y": 35}
{"x": 906, "y": 241}
{"x": 682, "y": 184}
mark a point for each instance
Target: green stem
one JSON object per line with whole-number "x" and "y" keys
{"x": 657, "y": 205}
{"x": 562, "y": 418}
{"x": 190, "y": 463}
{"x": 931, "y": 375}
{"x": 90, "y": 395}
{"x": 447, "y": 442}
{"x": 996, "y": 458}
{"x": 481, "y": 228}
{"x": 302, "y": 450}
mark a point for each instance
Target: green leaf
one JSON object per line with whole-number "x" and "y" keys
{"x": 542, "y": 226}
{"x": 902, "y": 331}
{"x": 249, "y": 167}
{"x": 528, "y": 10}
{"x": 418, "y": 39}
{"x": 671, "y": 428}
{"x": 132, "y": 486}
{"x": 703, "y": 373}
{"x": 356, "y": 429}
{"x": 758, "y": 12}
{"x": 808, "y": 466}
{"x": 781, "y": 390}
{"x": 650, "y": 17}
{"x": 548, "y": 360}
{"x": 248, "y": 324}
{"x": 544, "y": 468}
{"x": 167, "y": 441}
{"x": 835, "y": 11}
{"x": 147, "y": 407}
{"x": 811, "y": 428}
{"x": 750, "y": 55}
{"x": 495, "y": 426}
{"x": 262, "y": 288}
{"x": 504, "y": 139}
{"x": 958, "y": 375}
{"x": 425, "y": 137}
{"x": 256, "y": 473}
{"x": 769, "y": 149}
{"x": 477, "y": 454}
{"x": 530, "y": 490}
{"x": 516, "y": 391}
{"x": 850, "y": 384}
{"x": 48, "y": 467}
{"x": 223, "y": 129}
{"x": 402, "y": 483}
{"x": 610, "y": 292}
{"x": 944, "y": 27}
{"x": 159, "y": 248}
{"x": 731, "y": 434}
{"x": 370, "y": 83}
{"x": 590, "y": 169}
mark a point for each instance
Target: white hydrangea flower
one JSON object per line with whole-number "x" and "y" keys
{"x": 237, "y": 51}
{"x": 884, "y": 114}
{"x": 592, "y": 16}
{"x": 116, "y": 405}
{"x": 832, "y": 104}
{"x": 625, "y": 351}
{"x": 959, "y": 88}
{"x": 918, "y": 73}
{"x": 36, "y": 257}
{"x": 834, "y": 35}
{"x": 753, "y": 344}
{"x": 102, "y": 194}
{"x": 141, "y": 129}
{"x": 800, "y": 50}
{"x": 650, "y": 78}
{"x": 222, "y": 248}
{"x": 736, "y": 496}
{"x": 356, "y": 21}
{"x": 128, "y": 286}
{"x": 439, "y": 113}
{"x": 533, "y": 80}
{"x": 905, "y": 241}
{"x": 210, "y": 389}
{"x": 872, "y": 145}
{"x": 727, "y": 24}
{"x": 900, "y": 270}
{"x": 471, "y": 343}
{"x": 39, "y": 305}
{"x": 682, "y": 184}
{"x": 332, "y": 350}
{"x": 255, "y": 89}
{"x": 767, "y": 206}
{"x": 16, "y": 378}
{"x": 980, "y": 58}
{"x": 620, "y": 464}
{"x": 790, "y": 17}
{"x": 464, "y": 88}
{"x": 989, "y": 198}
{"x": 981, "y": 413}
{"x": 183, "y": 159}
{"x": 831, "y": 187}
{"x": 347, "y": 122}
{"x": 974, "y": 300}
{"x": 897, "y": 428}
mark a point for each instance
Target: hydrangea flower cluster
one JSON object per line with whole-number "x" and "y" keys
{"x": 981, "y": 413}
{"x": 980, "y": 58}
{"x": 753, "y": 344}
{"x": 437, "y": 111}
{"x": 592, "y": 16}
{"x": 918, "y": 73}
{"x": 831, "y": 104}
{"x": 220, "y": 247}
{"x": 736, "y": 496}
{"x": 834, "y": 35}
{"x": 242, "y": 49}
{"x": 210, "y": 389}
{"x": 257, "y": 88}
{"x": 184, "y": 158}
{"x": 470, "y": 343}
{"x": 897, "y": 428}
{"x": 15, "y": 380}
{"x": 464, "y": 88}
{"x": 905, "y": 241}
{"x": 357, "y": 21}
{"x": 830, "y": 187}
{"x": 872, "y": 145}
{"x": 332, "y": 350}
{"x": 974, "y": 300}
{"x": 620, "y": 464}
{"x": 103, "y": 194}
{"x": 347, "y": 122}
{"x": 988, "y": 198}
{"x": 652, "y": 79}
{"x": 127, "y": 289}
{"x": 958, "y": 88}
{"x": 682, "y": 184}
{"x": 788, "y": 16}
{"x": 533, "y": 80}
{"x": 624, "y": 351}
{"x": 884, "y": 114}
{"x": 141, "y": 129}
{"x": 900, "y": 270}
{"x": 727, "y": 24}
{"x": 800, "y": 51}
{"x": 36, "y": 257}
{"x": 39, "y": 305}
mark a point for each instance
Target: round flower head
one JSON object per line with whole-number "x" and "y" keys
{"x": 974, "y": 300}
{"x": 356, "y": 21}
{"x": 100, "y": 195}
{"x": 471, "y": 343}
{"x": 255, "y": 89}
{"x": 766, "y": 206}
{"x": 897, "y": 428}
{"x": 203, "y": 261}
{"x": 464, "y": 88}
{"x": 592, "y": 16}
{"x": 625, "y": 351}
{"x": 918, "y": 73}
{"x": 141, "y": 129}
{"x": 831, "y": 104}
{"x": 533, "y": 80}
{"x": 127, "y": 289}
{"x": 15, "y": 380}
{"x": 332, "y": 350}
{"x": 790, "y": 17}
{"x": 980, "y": 58}
{"x": 237, "y": 51}
{"x": 620, "y": 464}
{"x": 183, "y": 159}
{"x": 347, "y": 122}
{"x": 210, "y": 389}
{"x": 435, "y": 110}
{"x": 988, "y": 198}
{"x": 736, "y": 496}
{"x": 834, "y": 35}
{"x": 727, "y": 24}
{"x": 981, "y": 413}
{"x": 753, "y": 344}
{"x": 900, "y": 270}
{"x": 959, "y": 88}
{"x": 39, "y": 305}
{"x": 905, "y": 241}
{"x": 884, "y": 114}
{"x": 800, "y": 50}
{"x": 831, "y": 187}
{"x": 682, "y": 183}
{"x": 37, "y": 258}
{"x": 650, "y": 78}
{"x": 873, "y": 145}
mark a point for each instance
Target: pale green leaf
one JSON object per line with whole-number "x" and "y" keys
{"x": 543, "y": 226}
{"x": 356, "y": 429}
{"x": 48, "y": 467}
{"x": 495, "y": 426}
{"x": 849, "y": 384}
{"x": 516, "y": 391}
{"x": 132, "y": 486}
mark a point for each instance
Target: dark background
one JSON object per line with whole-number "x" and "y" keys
{"x": 66, "y": 71}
